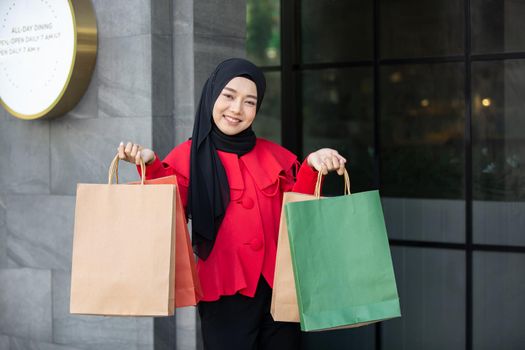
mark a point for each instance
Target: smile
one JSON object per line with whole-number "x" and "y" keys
{"x": 232, "y": 119}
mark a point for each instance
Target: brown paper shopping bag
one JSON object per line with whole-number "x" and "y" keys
{"x": 187, "y": 286}
{"x": 123, "y": 249}
{"x": 284, "y": 305}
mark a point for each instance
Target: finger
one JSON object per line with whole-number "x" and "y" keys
{"x": 341, "y": 169}
{"x": 335, "y": 162}
{"x": 323, "y": 169}
{"x": 315, "y": 162}
{"x": 121, "y": 154}
{"x": 134, "y": 150}
{"x": 137, "y": 158}
{"x": 127, "y": 150}
{"x": 328, "y": 164}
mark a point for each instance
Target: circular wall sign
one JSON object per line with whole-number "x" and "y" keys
{"x": 47, "y": 54}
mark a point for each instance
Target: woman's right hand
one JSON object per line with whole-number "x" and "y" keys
{"x": 132, "y": 152}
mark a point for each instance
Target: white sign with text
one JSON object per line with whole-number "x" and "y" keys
{"x": 37, "y": 49}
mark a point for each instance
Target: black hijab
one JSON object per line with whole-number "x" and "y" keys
{"x": 209, "y": 192}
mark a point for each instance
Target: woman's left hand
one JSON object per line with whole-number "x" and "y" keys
{"x": 327, "y": 159}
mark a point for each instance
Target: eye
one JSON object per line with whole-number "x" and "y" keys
{"x": 251, "y": 103}
{"x": 228, "y": 96}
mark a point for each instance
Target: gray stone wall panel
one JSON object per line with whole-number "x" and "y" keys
{"x": 82, "y": 150}
{"x": 4, "y": 342}
{"x": 220, "y": 18}
{"x": 3, "y": 233}
{"x": 120, "y": 18}
{"x": 125, "y": 78}
{"x": 182, "y": 18}
{"x": 166, "y": 333}
{"x": 183, "y": 66}
{"x": 162, "y": 72}
{"x": 183, "y": 127}
{"x": 40, "y": 231}
{"x": 87, "y": 107}
{"x": 186, "y": 330}
{"x": 161, "y": 17}
{"x": 209, "y": 51}
{"x": 23, "y": 344}
{"x": 24, "y": 153}
{"x": 162, "y": 135}
{"x": 25, "y": 303}
{"x": 4, "y": 116}
{"x": 96, "y": 332}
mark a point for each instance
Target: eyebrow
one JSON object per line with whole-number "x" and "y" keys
{"x": 233, "y": 90}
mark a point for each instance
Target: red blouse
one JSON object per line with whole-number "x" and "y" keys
{"x": 246, "y": 242}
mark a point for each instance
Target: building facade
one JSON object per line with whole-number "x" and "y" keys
{"x": 424, "y": 98}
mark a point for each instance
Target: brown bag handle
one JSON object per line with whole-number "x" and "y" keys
{"x": 317, "y": 192}
{"x": 113, "y": 170}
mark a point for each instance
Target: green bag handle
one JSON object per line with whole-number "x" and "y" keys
{"x": 317, "y": 192}
{"x": 113, "y": 170}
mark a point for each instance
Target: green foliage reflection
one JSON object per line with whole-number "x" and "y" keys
{"x": 263, "y": 32}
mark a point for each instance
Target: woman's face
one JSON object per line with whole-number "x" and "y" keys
{"x": 234, "y": 110}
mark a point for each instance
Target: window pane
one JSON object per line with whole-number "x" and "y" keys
{"x": 336, "y": 30}
{"x": 499, "y": 306}
{"x": 263, "y": 30}
{"x": 338, "y": 113}
{"x": 498, "y": 130}
{"x": 440, "y": 220}
{"x": 422, "y": 127}
{"x": 498, "y": 25}
{"x": 431, "y": 286}
{"x": 268, "y": 121}
{"x": 422, "y": 152}
{"x": 362, "y": 338}
{"x": 415, "y": 28}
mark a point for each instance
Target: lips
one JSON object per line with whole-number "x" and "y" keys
{"x": 232, "y": 119}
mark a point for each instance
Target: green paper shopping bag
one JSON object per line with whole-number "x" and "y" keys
{"x": 341, "y": 260}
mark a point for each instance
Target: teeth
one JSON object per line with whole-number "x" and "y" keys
{"x": 233, "y": 120}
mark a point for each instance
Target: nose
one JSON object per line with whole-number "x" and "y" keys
{"x": 236, "y": 106}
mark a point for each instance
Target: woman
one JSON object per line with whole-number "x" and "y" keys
{"x": 231, "y": 184}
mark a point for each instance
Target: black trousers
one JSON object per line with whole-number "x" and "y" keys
{"x": 239, "y": 322}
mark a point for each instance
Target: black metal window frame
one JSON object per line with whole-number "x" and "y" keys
{"x": 292, "y": 136}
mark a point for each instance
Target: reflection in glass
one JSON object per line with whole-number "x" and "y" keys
{"x": 422, "y": 127}
{"x": 268, "y": 121}
{"x": 436, "y": 220}
{"x": 336, "y": 30}
{"x": 498, "y": 25}
{"x": 263, "y": 32}
{"x": 415, "y": 28}
{"x": 338, "y": 113}
{"x": 431, "y": 286}
{"x": 498, "y": 151}
{"x": 498, "y": 302}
